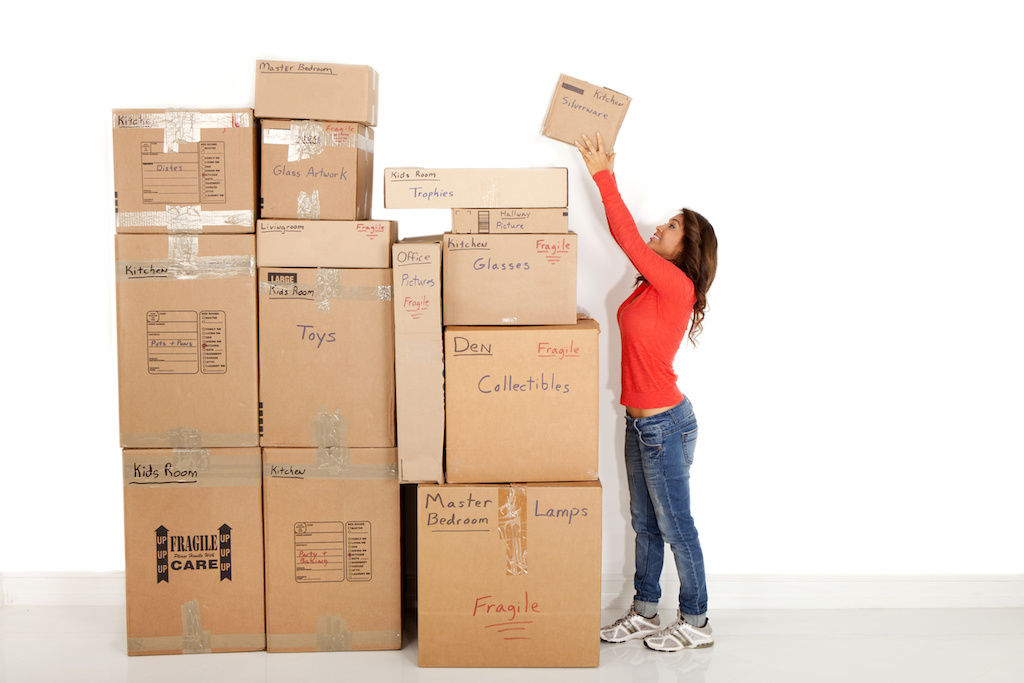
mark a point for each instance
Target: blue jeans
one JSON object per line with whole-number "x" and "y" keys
{"x": 659, "y": 452}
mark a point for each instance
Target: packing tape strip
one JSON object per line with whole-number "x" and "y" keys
{"x": 512, "y": 527}
{"x": 183, "y": 262}
{"x": 188, "y": 438}
{"x": 194, "y": 638}
{"x": 327, "y": 430}
{"x": 185, "y": 218}
{"x": 333, "y": 636}
{"x": 190, "y": 468}
{"x": 329, "y": 286}
{"x": 182, "y": 126}
{"x": 219, "y": 642}
{"x": 307, "y": 205}
{"x": 309, "y": 139}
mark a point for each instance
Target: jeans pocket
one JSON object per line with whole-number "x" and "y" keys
{"x": 689, "y": 445}
{"x": 649, "y": 437}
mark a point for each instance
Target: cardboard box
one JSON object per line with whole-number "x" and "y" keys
{"x": 186, "y": 340}
{"x": 500, "y": 221}
{"x": 332, "y": 526}
{"x": 510, "y": 279}
{"x": 315, "y": 170}
{"x": 473, "y": 188}
{"x": 193, "y": 530}
{"x": 523, "y": 589}
{"x": 521, "y": 403}
{"x": 581, "y": 108}
{"x": 327, "y": 357}
{"x": 184, "y": 171}
{"x": 314, "y": 90}
{"x": 419, "y": 359}
{"x": 328, "y": 244}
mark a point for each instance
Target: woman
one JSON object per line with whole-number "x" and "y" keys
{"x": 676, "y": 268}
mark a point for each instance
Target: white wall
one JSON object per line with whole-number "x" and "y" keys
{"x": 858, "y": 382}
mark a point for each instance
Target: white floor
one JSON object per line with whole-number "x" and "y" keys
{"x": 869, "y": 645}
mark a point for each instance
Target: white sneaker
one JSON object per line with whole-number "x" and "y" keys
{"x": 630, "y": 627}
{"x": 680, "y": 636}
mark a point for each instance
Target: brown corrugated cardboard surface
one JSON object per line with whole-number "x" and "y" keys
{"x": 186, "y": 332}
{"x": 521, "y": 403}
{"x": 332, "y": 528}
{"x": 509, "y": 575}
{"x": 326, "y": 244}
{"x": 193, "y": 550}
{"x": 472, "y": 188}
{"x": 510, "y": 279}
{"x": 327, "y": 354}
{"x": 315, "y": 90}
{"x": 500, "y": 221}
{"x": 184, "y": 171}
{"x": 581, "y": 108}
{"x": 318, "y": 170}
{"x": 419, "y": 359}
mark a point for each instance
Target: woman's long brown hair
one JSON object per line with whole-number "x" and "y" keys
{"x": 699, "y": 260}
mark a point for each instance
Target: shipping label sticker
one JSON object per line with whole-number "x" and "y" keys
{"x": 194, "y": 174}
{"x": 280, "y": 285}
{"x": 213, "y": 344}
{"x": 553, "y": 249}
{"x": 358, "y": 551}
{"x": 319, "y": 552}
{"x": 193, "y": 553}
{"x": 172, "y": 342}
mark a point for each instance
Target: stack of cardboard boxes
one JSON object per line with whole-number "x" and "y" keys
{"x": 326, "y": 339}
{"x": 206, "y": 517}
{"x": 185, "y": 201}
{"x": 295, "y": 546}
{"x": 508, "y": 549}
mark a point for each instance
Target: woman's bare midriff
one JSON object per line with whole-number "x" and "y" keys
{"x": 646, "y": 412}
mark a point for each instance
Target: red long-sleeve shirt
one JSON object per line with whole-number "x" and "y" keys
{"x": 653, "y": 318}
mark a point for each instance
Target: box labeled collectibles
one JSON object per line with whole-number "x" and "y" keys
{"x": 521, "y": 403}
{"x": 184, "y": 171}
{"x": 500, "y": 221}
{"x": 332, "y": 549}
{"x": 327, "y": 357}
{"x": 315, "y": 170}
{"x": 419, "y": 359}
{"x": 471, "y": 188}
{"x": 315, "y": 90}
{"x": 581, "y": 108}
{"x": 330, "y": 244}
{"x": 509, "y": 575}
{"x": 193, "y": 529}
{"x": 510, "y": 279}
{"x": 186, "y": 340}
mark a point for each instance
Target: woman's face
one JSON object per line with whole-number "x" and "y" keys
{"x": 667, "y": 240}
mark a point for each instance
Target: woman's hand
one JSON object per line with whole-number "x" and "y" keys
{"x": 595, "y": 158}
